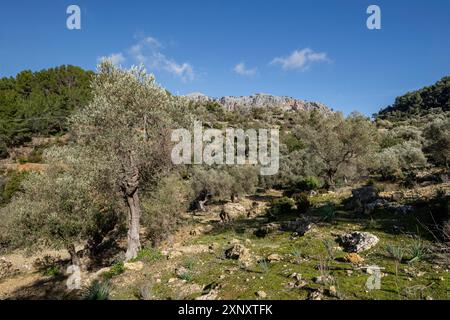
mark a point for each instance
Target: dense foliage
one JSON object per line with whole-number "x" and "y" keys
{"x": 38, "y": 103}
{"x": 420, "y": 102}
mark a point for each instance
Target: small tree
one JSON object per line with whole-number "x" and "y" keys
{"x": 437, "y": 135}
{"x": 406, "y": 156}
{"x": 209, "y": 183}
{"x": 59, "y": 208}
{"x": 337, "y": 143}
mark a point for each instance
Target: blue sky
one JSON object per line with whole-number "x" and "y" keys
{"x": 315, "y": 50}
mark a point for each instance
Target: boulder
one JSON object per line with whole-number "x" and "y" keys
{"x": 300, "y": 226}
{"x": 261, "y": 294}
{"x": 316, "y": 295}
{"x": 354, "y": 258}
{"x": 238, "y": 252}
{"x": 267, "y": 229}
{"x": 358, "y": 241}
{"x": 274, "y": 257}
{"x": 388, "y": 206}
{"x": 361, "y": 197}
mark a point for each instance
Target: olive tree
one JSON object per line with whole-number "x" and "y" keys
{"x": 128, "y": 123}
{"x": 62, "y": 206}
{"x": 437, "y": 135}
{"x": 393, "y": 161}
{"x": 337, "y": 143}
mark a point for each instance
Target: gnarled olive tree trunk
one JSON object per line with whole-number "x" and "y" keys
{"x": 75, "y": 260}
{"x": 130, "y": 190}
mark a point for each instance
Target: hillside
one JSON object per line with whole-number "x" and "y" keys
{"x": 434, "y": 98}
{"x": 357, "y": 210}
{"x": 38, "y": 103}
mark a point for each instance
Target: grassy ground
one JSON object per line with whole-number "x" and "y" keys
{"x": 207, "y": 271}
{"x": 306, "y": 255}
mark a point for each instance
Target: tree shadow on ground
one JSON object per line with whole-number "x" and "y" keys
{"x": 53, "y": 288}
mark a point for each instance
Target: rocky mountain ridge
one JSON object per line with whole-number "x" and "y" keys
{"x": 260, "y": 100}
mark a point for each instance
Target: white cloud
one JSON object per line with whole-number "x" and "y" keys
{"x": 116, "y": 58}
{"x": 300, "y": 59}
{"x": 242, "y": 70}
{"x": 148, "y": 52}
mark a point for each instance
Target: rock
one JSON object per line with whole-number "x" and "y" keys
{"x": 332, "y": 291}
{"x": 260, "y": 100}
{"x": 212, "y": 295}
{"x": 171, "y": 280}
{"x": 174, "y": 254}
{"x": 213, "y": 247}
{"x": 6, "y": 268}
{"x": 100, "y": 272}
{"x": 354, "y": 258}
{"x": 316, "y": 295}
{"x": 196, "y": 231}
{"x": 274, "y": 257}
{"x": 361, "y": 197}
{"x": 358, "y": 241}
{"x": 181, "y": 271}
{"x": 296, "y": 276}
{"x": 239, "y": 252}
{"x": 298, "y": 281}
{"x": 313, "y": 193}
{"x": 388, "y": 206}
{"x": 233, "y": 211}
{"x": 267, "y": 229}
{"x": 300, "y": 226}
{"x": 134, "y": 266}
{"x": 376, "y": 205}
{"x": 324, "y": 279}
{"x": 261, "y": 294}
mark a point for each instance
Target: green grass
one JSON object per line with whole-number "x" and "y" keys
{"x": 303, "y": 255}
{"x": 116, "y": 269}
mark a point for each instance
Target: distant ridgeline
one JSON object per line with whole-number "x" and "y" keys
{"x": 432, "y": 99}
{"x": 38, "y": 103}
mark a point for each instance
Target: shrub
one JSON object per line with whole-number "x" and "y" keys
{"x": 149, "y": 255}
{"x": 395, "y": 252}
{"x": 302, "y": 202}
{"x": 116, "y": 269}
{"x": 280, "y": 207}
{"x": 162, "y": 209}
{"x": 416, "y": 251}
{"x": 437, "y": 143}
{"x": 308, "y": 184}
{"x": 98, "y": 291}
{"x": 264, "y": 266}
{"x": 12, "y": 185}
{"x": 328, "y": 212}
{"x": 400, "y": 158}
{"x": 3, "y": 150}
